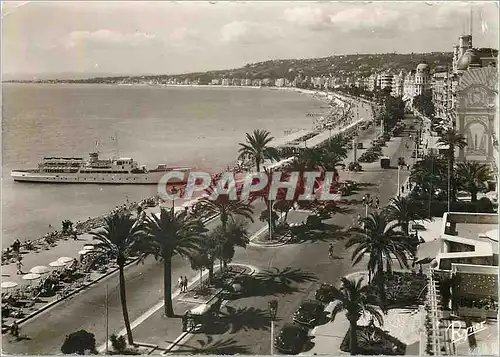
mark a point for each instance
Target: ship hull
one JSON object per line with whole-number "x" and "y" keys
{"x": 151, "y": 178}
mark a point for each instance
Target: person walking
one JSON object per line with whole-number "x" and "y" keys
{"x": 185, "y": 284}
{"x": 330, "y": 251}
{"x": 408, "y": 167}
{"x": 19, "y": 265}
{"x": 180, "y": 281}
{"x": 14, "y": 329}
{"x": 403, "y": 189}
{"x": 377, "y": 202}
{"x": 16, "y": 246}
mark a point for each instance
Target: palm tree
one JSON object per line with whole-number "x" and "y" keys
{"x": 380, "y": 241}
{"x": 337, "y": 145}
{"x": 453, "y": 139}
{"x": 168, "y": 235}
{"x": 256, "y": 148}
{"x": 283, "y": 206}
{"x": 472, "y": 176}
{"x": 404, "y": 210}
{"x": 429, "y": 173}
{"x": 118, "y": 238}
{"x": 226, "y": 208}
{"x": 234, "y": 235}
{"x": 355, "y": 300}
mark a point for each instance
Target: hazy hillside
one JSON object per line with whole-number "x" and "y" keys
{"x": 342, "y": 65}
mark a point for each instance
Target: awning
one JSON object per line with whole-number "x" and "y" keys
{"x": 428, "y": 250}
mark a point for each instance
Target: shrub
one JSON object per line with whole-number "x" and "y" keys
{"x": 118, "y": 343}
{"x": 78, "y": 343}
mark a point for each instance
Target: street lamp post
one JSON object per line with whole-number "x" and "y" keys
{"x": 399, "y": 187}
{"x": 270, "y": 210}
{"x": 173, "y": 191}
{"x": 273, "y": 311}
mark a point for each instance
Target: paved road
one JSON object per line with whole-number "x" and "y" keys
{"x": 46, "y": 332}
{"x": 249, "y": 333}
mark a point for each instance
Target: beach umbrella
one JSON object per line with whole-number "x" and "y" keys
{"x": 9, "y": 284}
{"x": 65, "y": 259}
{"x": 83, "y": 252}
{"x": 31, "y": 276}
{"x": 88, "y": 247}
{"x": 39, "y": 269}
{"x": 57, "y": 264}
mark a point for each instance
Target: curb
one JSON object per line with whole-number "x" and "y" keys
{"x": 184, "y": 334}
{"x": 83, "y": 287}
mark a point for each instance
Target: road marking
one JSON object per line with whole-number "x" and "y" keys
{"x": 258, "y": 233}
{"x": 160, "y": 304}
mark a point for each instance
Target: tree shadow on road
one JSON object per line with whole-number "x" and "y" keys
{"x": 221, "y": 347}
{"x": 326, "y": 233}
{"x": 366, "y": 184}
{"x": 352, "y": 201}
{"x": 238, "y": 319}
{"x": 246, "y": 318}
{"x": 274, "y": 282}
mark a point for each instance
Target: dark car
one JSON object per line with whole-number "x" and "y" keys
{"x": 413, "y": 155}
{"x": 309, "y": 313}
{"x": 401, "y": 161}
{"x": 325, "y": 293}
{"x": 291, "y": 339}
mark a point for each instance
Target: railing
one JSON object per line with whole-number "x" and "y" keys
{"x": 433, "y": 302}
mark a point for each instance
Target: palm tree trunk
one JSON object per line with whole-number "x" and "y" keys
{"x": 211, "y": 271}
{"x": 353, "y": 337}
{"x": 257, "y": 165}
{"x": 473, "y": 196}
{"x": 167, "y": 286}
{"x": 380, "y": 280}
{"x": 405, "y": 226}
{"x": 123, "y": 298}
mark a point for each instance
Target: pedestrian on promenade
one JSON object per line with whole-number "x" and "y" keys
{"x": 377, "y": 202}
{"x": 185, "y": 284}
{"x": 19, "y": 265}
{"x": 16, "y": 246}
{"x": 403, "y": 189}
{"x": 330, "y": 251}
{"x": 14, "y": 329}
{"x": 180, "y": 281}
{"x": 408, "y": 167}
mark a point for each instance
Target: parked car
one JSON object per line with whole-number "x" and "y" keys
{"x": 309, "y": 312}
{"x": 291, "y": 339}
{"x": 413, "y": 155}
{"x": 324, "y": 294}
{"x": 401, "y": 161}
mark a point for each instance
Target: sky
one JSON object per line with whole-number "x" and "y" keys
{"x": 176, "y": 37}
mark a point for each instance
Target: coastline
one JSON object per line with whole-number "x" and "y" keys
{"x": 81, "y": 221}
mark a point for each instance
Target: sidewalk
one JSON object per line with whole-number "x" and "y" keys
{"x": 166, "y": 334}
{"x": 68, "y": 248}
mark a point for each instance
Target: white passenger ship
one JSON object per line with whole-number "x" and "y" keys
{"x": 96, "y": 171}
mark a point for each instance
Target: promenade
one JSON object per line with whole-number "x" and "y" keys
{"x": 145, "y": 282}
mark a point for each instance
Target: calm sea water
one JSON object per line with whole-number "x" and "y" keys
{"x": 196, "y": 127}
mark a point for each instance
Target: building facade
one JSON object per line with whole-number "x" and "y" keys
{"x": 477, "y": 97}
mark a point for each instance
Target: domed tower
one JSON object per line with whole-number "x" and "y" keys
{"x": 465, "y": 43}
{"x": 469, "y": 59}
{"x": 422, "y": 78}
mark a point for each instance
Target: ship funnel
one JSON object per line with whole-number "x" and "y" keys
{"x": 93, "y": 157}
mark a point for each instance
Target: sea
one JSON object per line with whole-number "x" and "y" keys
{"x": 178, "y": 126}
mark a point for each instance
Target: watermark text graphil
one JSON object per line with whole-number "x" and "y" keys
{"x": 302, "y": 186}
